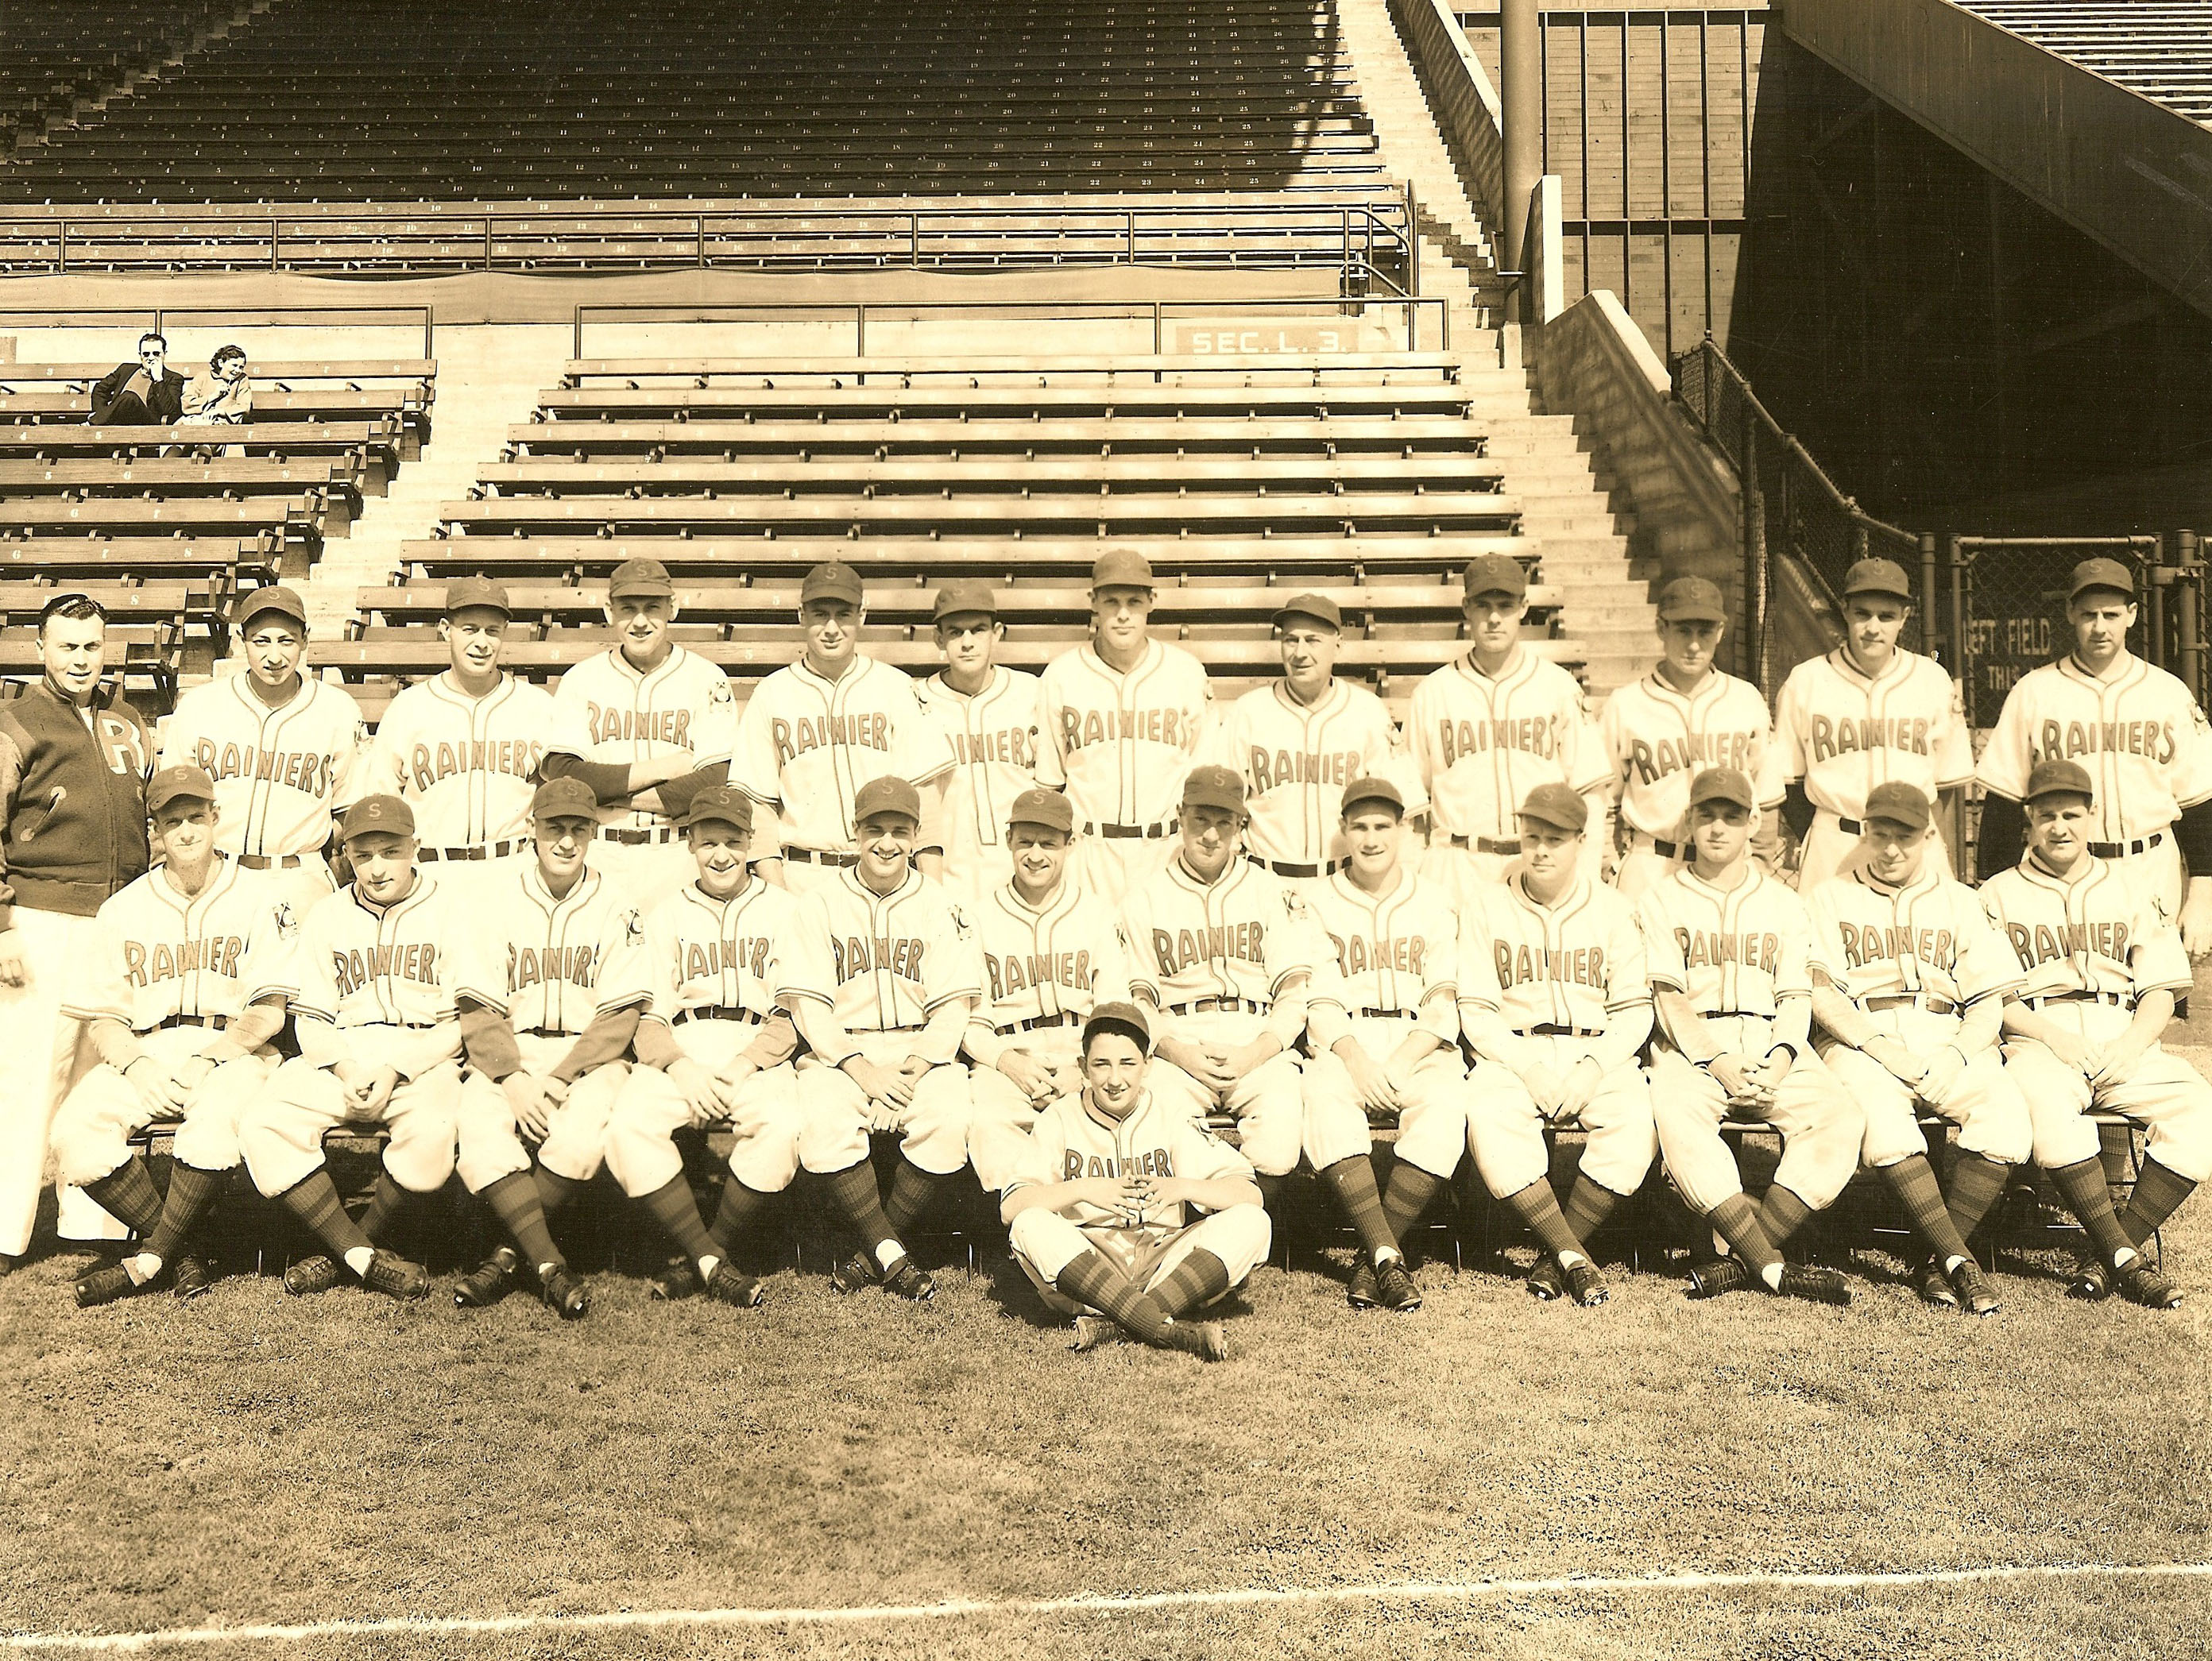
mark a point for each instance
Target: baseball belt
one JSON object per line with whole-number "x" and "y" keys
{"x": 821, "y": 857}
{"x": 715, "y": 1012}
{"x": 1552, "y": 1030}
{"x": 2121, "y": 850}
{"x": 546, "y": 1032}
{"x": 1125, "y": 833}
{"x": 269, "y": 862}
{"x": 1849, "y": 826}
{"x": 1290, "y": 868}
{"x": 1643, "y": 841}
{"x": 639, "y": 838}
{"x": 1899, "y": 1000}
{"x": 1208, "y": 1005}
{"x": 483, "y": 850}
{"x": 1386, "y": 1015}
{"x": 213, "y": 1023}
{"x": 1063, "y": 1019}
{"x": 2119, "y": 999}
{"x": 1488, "y": 844}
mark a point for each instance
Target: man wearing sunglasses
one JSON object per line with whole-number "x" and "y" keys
{"x": 147, "y": 393}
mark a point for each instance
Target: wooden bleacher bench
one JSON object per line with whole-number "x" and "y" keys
{"x": 296, "y": 520}
{"x": 340, "y": 404}
{"x": 1118, "y": 369}
{"x": 886, "y": 439}
{"x": 334, "y": 480}
{"x": 419, "y": 375}
{"x": 1124, "y": 400}
{"x": 372, "y": 446}
{"x": 159, "y": 600}
{"x": 227, "y": 562}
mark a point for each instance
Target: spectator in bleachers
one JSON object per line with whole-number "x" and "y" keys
{"x": 224, "y": 395}
{"x": 147, "y": 393}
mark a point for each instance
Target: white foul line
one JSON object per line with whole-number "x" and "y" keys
{"x": 1388, "y": 1592}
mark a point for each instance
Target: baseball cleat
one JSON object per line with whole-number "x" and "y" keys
{"x": 1203, "y": 1339}
{"x": 1363, "y": 1293}
{"x": 728, "y": 1286}
{"x": 566, "y": 1294}
{"x": 312, "y": 1274}
{"x": 679, "y": 1280}
{"x": 489, "y": 1281}
{"x": 1093, "y": 1332}
{"x": 1814, "y": 1285}
{"x": 1716, "y": 1276}
{"x": 396, "y": 1277}
{"x": 1400, "y": 1291}
{"x": 854, "y": 1272}
{"x": 1545, "y": 1282}
{"x": 189, "y": 1277}
{"x": 904, "y": 1280}
{"x": 1975, "y": 1295}
{"x": 104, "y": 1285}
{"x": 2140, "y": 1283}
{"x": 1935, "y": 1286}
{"x": 2092, "y": 1278}
{"x": 1587, "y": 1285}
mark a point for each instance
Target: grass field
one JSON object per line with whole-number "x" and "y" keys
{"x": 252, "y": 1458}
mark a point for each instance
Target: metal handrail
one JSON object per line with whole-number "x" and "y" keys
{"x": 159, "y": 317}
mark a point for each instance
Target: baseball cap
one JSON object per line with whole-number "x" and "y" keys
{"x": 1124, "y": 1018}
{"x": 1555, "y": 805}
{"x": 463, "y": 592}
{"x": 171, "y": 783}
{"x": 1210, "y": 786}
{"x": 967, "y": 599}
{"x": 377, "y": 813}
{"x": 1313, "y": 608}
{"x": 1723, "y": 784}
{"x": 1877, "y": 577}
{"x": 1361, "y": 791}
{"x": 1122, "y": 567}
{"x": 889, "y": 795}
{"x": 639, "y": 577}
{"x": 1899, "y": 803}
{"x": 2058, "y": 778}
{"x": 2101, "y": 573}
{"x": 1691, "y": 599}
{"x": 273, "y": 598}
{"x": 831, "y": 580}
{"x": 1047, "y": 808}
{"x": 1494, "y": 573}
{"x": 723, "y": 803}
{"x": 569, "y": 797}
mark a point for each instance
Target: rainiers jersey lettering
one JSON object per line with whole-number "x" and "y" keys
{"x": 156, "y": 955}
{"x": 467, "y": 766}
{"x": 1245, "y": 935}
{"x": 1068, "y": 1143}
{"x": 1121, "y": 745}
{"x": 1659, "y": 739}
{"x": 281, "y": 774}
{"x": 359, "y": 965}
{"x": 1929, "y": 936}
{"x": 1737, "y": 951}
{"x": 1480, "y": 745}
{"x": 605, "y": 710}
{"x": 2100, "y": 932}
{"x": 2140, "y": 736}
{"x": 992, "y": 738}
{"x": 1398, "y": 949}
{"x": 705, "y": 953}
{"x": 552, "y": 964}
{"x": 808, "y": 744}
{"x": 1841, "y": 733}
{"x": 1297, "y": 758}
{"x": 882, "y": 962}
{"x": 1064, "y": 958}
{"x": 1574, "y": 963}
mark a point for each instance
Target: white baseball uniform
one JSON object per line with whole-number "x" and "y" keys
{"x": 883, "y": 966}
{"x": 1914, "y": 959}
{"x": 1482, "y": 745}
{"x": 809, "y": 744}
{"x": 1224, "y": 961}
{"x": 1390, "y": 967}
{"x": 1567, "y": 983}
{"x": 1071, "y": 1143}
{"x": 1121, "y": 746}
{"x": 1842, "y": 733}
{"x": 1738, "y": 953}
{"x": 371, "y": 987}
{"x": 1297, "y": 759}
{"x": 1045, "y": 968}
{"x": 2143, "y": 740}
{"x": 2090, "y": 945}
{"x": 561, "y": 973}
{"x": 176, "y": 972}
{"x": 714, "y": 964}
{"x": 1659, "y": 740}
{"x": 605, "y": 710}
{"x": 466, "y": 766}
{"x": 993, "y": 739}
{"x": 281, "y": 775}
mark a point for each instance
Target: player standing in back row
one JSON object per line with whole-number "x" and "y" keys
{"x": 1124, "y": 717}
{"x": 2140, "y": 735}
{"x": 1866, "y": 714}
{"x": 992, "y": 718}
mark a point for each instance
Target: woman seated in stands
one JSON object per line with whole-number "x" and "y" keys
{"x": 223, "y": 394}
{"x": 147, "y": 393}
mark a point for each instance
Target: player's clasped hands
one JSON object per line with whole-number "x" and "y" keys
{"x": 1901, "y": 1064}
{"x": 1379, "y": 1091}
{"x": 158, "y": 1086}
{"x": 367, "y": 1091}
{"x": 1742, "y": 1079}
{"x": 2114, "y": 1063}
{"x": 1032, "y": 1078}
{"x": 533, "y": 1100}
{"x": 1939, "y": 1077}
{"x": 703, "y": 1094}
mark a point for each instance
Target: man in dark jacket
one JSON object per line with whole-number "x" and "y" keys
{"x": 147, "y": 393}
{"x": 73, "y": 763}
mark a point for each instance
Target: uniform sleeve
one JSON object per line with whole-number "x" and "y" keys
{"x": 754, "y": 767}
{"x": 956, "y": 965}
{"x": 1204, "y": 714}
{"x": 1290, "y": 947}
{"x": 1986, "y": 965}
{"x": 663, "y": 965}
{"x": 273, "y": 947}
{"x": 1385, "y": 754}
{"x": 1785, "y": 758}
{"x": 1421, "y": 755}
{"x": 2156, "y": 960}
{"x": 96, "y": 983}
{"x": 803, "y": 964}
{"x": 1612, "y": 722}
{"x": 349, "y": 774}
{"x": 1438, "y": 1010}
{"x": 313, "y": 991}
{"x": 1954, "y": 755}
{"x": 1044, "y": 1156}
{"x": 384, "y": 765}
{"x": 2192, "y": 755}
{"x": 1583, "y": 758}
{"x": 1136, "y": 944}
{"x": 716, "y": 738}
{"x": 627, "y": 978}
{"x": 2004, "y": 763}
{"x": 1051, "y": 748}
{"x": 1478, "y": 967}
{"x": 479, "y": 969}
{"x": 1628, "y": 981}
{"x": 1664, "y": 965}
{"x": 1825, "y": 951}
{"x": 1793, "y": 966}
{"x": 922, "y": 744}
{"x": 1109, "y": 963}
{"x": 569, "y": 731}
{"x": 1199, "y": 1155}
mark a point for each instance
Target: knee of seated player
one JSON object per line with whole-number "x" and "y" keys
{"x": 1271, "y": 1136}
{"x": 1047, "y": 1240}
{"x": 1170, "y": 1083}
{"x": 1240, "y": 1236}
{"x": 1333, "y": 1131}
{"x": 1994, "y": 1121}
{"x": 767, "y": 1161}
{"x": 2181, "y": 1140}
{"x": 1892, "y": 1132}
{"x": 1510, "y": 1152}
{"x": 208, "y": 1139}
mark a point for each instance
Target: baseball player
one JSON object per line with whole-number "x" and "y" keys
{"x": 73, "y": 761}
{"x": 1300, "y": 740}
{"x": 1052, "y": 953}
{"x": 880, "y": 975}
{"x": 1125, "y": 716}
{"x": 161, "y": 990}
{"x": 284, "y": 750}
{"x": 817, "y": 729}
{"x": 2138, "y": 733}
{"x": 463, "y": 747}
{"x": 648, "y": 725}
{"x": 552, "y": 977}
{"x": 1555, "y": 1001}
{"x": 1100, "y": 1212}
{"x": 2102, "y": 966}
{"x": 1865, "y": 713}
{"x": 1223, "y": 952}
{"x": 1384, "y": 1033}
{"x": 1728, "y": 949}
{"x": 371, "y": 991}
{"x": 1486, "y": 730}
{"x": 712, "y": 1049}
{"x": 1660, "y": 731}
{"x": 1908, "y": 988}
{"x": 991, "y": 717}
